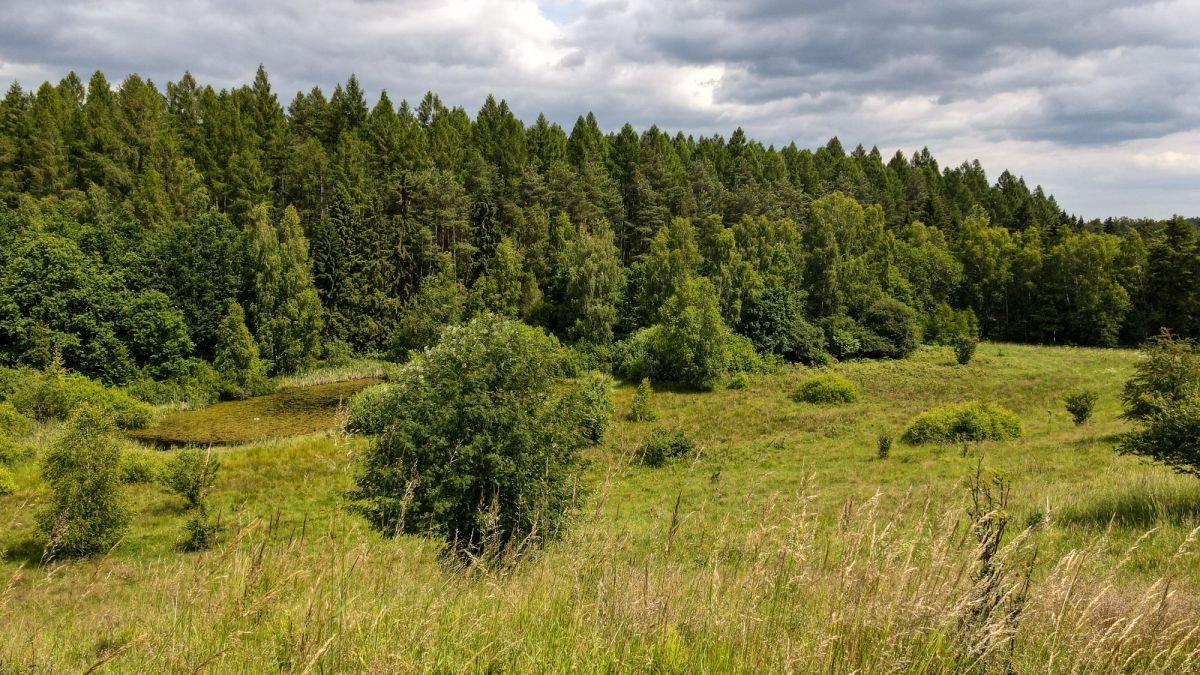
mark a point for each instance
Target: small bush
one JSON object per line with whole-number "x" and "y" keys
{"x": 826, "y": 389}
{"x": 370, "y": 410}
{"x": 595, "y": 406}
{"x": 739, "y": 381}
{"x": 12, "y": 422}
{"x": 11, "y": 452}
{"x": 193, "y": 382}
{"x": 337, "y": 353}
{"x": 87, "y": 513}
{"x": 139, "y": 466}
{"x": 961, "y": 422}
{"x": 964, "y": 348}
{"x": 1080, "y": 404}
{"x": 643, "y": 405}
{"x": 54, "y": 394}
{"x": 884, "y": 446}
{"x": 191, "y": 474}
{"x": 201, "y": 531}
{"x": 663, "y": 445}
{"x": 8, "y": 484}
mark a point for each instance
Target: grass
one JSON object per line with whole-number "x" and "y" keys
{"x": 295, "y": 411}
{"x": 781, "y": 544}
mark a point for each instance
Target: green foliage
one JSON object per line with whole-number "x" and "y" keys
{"x": 370, "y": 410}
{"x": 691, "y": 345}
{"x": 191, "y": 474}
{"x": 12, "y": 422}
{"x": 664, "y": 445}
{"x": 54, "y": 394}
{"x": 201, "y": 530}
{"x": 1169, "y": 434}
{"x": 642, "y": 409}
{"x": 285, "y": 311}
{"x": 193, "y": 382}
{"x": 774, "y": 322}
{"x": 946, "y": 325}
{"x": 243, "y": 373}
{"x": 140, "y": 466}
{"x": 1169, "y": 374}
{"x": 738, "y": 381}
{"x": 962, "y": 422}
{"x": 487, "y": 397}
{"x": 1080, "y": 404}
{"x": 883, "y": 446}
{"x": 892, "y": 330}
{"x": 441, "y": 301}
{"x": 593, "y": 399}
{"x": 87, "y": 512}
{"x": 8, "y": 484}
{"x": 827, "y": 388}
{"x": 964, "y": 348}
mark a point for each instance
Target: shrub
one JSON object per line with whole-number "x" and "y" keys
{"x": 1169, "y": 374}
{"x": 845, "y": 337}
{"x": 201, "y": 531}
{"x": 337, "y": 353}
{"x": 774, "y": 323}
{"x": 1080, "y": 405}
{"x": 691, "y": 346}
{"x": 139, "y": 466}
{"x": 643, "y": 405}
{"x": 893, "y": 330}
{"x": 191, "y": 474}
{"x": 884, "y": 445}
{"x": 664, "y": 445}
{"x": 370, "y": 410}
{"x": 947, "y": 324}
{"x": 961, "y": 422}
{"x": 594, "y": 402}
{"x": 826, "y": 388}
{"x": 11, "y": 452}
{"x": 193, "y": 381}
{"x": 8, "y": 484}
{"x": 738, "y": 381}
{"x": 87, "y": 513}
{"x": 964, "y": 348}
{"x": 54, "y": 394}
{"x": 483, "y": 446}
{"x": 12, "y": 422}
{"x": 1170, "y": 435}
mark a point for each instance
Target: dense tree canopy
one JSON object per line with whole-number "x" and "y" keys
{"x": 131, "y": 216}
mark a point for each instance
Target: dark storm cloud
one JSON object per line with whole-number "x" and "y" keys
{"x": 1054, "y": 87}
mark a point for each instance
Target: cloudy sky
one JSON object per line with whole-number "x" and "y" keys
{"x": 1097, "y": 100}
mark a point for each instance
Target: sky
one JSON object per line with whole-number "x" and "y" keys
{"x": 1098, "y": 101}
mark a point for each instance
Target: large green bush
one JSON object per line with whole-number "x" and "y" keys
{"x": 54, "y": 394}
{"x": 483, "y": 442}
{"x": 690, "y": 346}
{"x": 87, "y": 512}
{"x": 1169, "y": 374}
{"x": 893, "y": 330}
{"x": 12, "y": 422}
{"x": 826, "y": 388}
{"x": 370, "y": 410}
{"x": 960, "y": 422}
{"x": 1163, "y": 397}
{"x": 1170, "y": 435}
{"x": 774, "y": 322}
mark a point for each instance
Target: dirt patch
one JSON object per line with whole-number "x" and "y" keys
{"x": 288, "y": 412}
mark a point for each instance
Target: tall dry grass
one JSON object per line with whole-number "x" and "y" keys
{"x": 866, "y": 589}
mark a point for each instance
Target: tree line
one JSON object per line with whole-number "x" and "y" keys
{"x": 146, "y": 233}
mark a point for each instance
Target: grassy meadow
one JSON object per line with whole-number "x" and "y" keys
{"x": 783, "y": 544}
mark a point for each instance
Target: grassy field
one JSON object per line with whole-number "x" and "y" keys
{"x": 783, "y": 545}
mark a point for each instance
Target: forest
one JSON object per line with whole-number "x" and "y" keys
{"x": 193, "y": 240}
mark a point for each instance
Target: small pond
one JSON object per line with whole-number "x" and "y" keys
{"x": 287, "y": 412}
